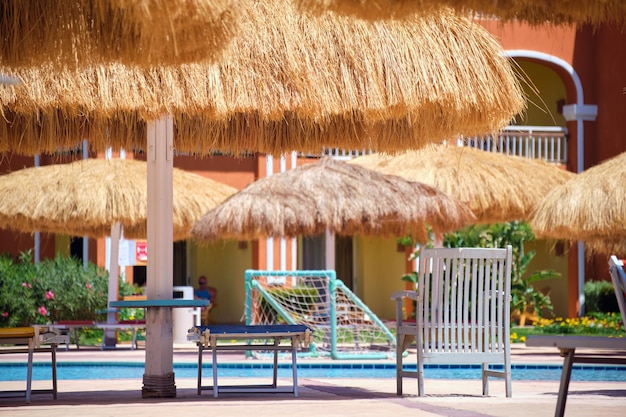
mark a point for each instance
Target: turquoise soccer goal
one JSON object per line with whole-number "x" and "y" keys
{"x": 342, "y": 326}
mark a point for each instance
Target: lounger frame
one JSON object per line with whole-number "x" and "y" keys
{"x": 588, "y": 349}
{"x": 248, "y": 338}
{"x": 41, "y": 339}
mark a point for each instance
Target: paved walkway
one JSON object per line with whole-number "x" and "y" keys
{"x": 319, "y": 396}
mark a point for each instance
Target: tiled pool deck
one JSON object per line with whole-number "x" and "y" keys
{"x": 318, "y": 396}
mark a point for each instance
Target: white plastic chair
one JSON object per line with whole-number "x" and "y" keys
{"x": 462, "y": 313}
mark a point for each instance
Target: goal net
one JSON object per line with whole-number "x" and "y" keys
{"x": 342, "y": 325}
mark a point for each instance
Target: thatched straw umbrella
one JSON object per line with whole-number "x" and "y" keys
{"x": 289, "y": 81}
{"x": 84, "y": 32}
{"x": 332, "y": 195}
{"x": 536, "y": 12}
{"x": 497, "y": 187}
{"x": 88, "y": 197}
{"x": 96, "y": 197}
{"x": 589, "y": 207}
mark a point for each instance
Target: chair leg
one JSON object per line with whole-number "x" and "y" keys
{"x": 420, "y": 376}
{"x": 507, "y": 379}
{"x": 420, "y": 364}
{"x": 485, "y": 379}
{"x": 399, "y": 343}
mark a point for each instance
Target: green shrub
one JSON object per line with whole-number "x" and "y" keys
{"x": 51, "y": 290}
{"x": 600, "y": 297}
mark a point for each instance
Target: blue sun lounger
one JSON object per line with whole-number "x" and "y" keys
{"x": 256, "y": 337}
{"x": 30, "y": 340}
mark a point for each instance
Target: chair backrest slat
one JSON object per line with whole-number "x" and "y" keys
{"x": 464, "y": 299}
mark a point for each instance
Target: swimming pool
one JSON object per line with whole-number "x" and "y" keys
{"x": 135, "y": 370}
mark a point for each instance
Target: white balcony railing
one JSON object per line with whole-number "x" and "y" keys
{"x": 540, "y": 142}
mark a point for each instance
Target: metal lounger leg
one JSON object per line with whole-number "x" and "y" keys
{"x": 29, "y": 371}
{"x": 294, "y": 364}
{"x": 275, "y": 374}
{"x": 566, "y": 373}
{"x": 214, "y": 349}
{"x": 53, "y": 348}
{"x": 200, "y": 349}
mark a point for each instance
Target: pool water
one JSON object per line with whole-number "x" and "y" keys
{"x": 135, "y": 370}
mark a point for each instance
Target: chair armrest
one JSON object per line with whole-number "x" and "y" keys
{"x": 398, "y": 295}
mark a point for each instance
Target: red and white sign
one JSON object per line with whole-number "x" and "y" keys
{"x": 141, "y": 251}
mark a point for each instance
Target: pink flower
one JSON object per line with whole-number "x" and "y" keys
{"x": 88, "y": 286}
{"x": 5, "y": 314}
{"x": 49, "y": 295}
{"x": 26, "y": 284}
{"x": 42, "y": 310}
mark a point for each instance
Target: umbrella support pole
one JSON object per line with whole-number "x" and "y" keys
{"x": 159, "y": 373}
{"x": 158, "y": 378}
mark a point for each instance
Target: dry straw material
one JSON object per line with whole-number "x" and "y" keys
{"x": 139, "y": 32}
{"x": 606, "y": 247}
{"x": 535, "y": 12}
{"x": 87, "y": 197}
{"x": 331, "y": 194}
{"x": 497, "y": 187}
{"x": 590, "y": 207}
{"x": 289, "y": 82}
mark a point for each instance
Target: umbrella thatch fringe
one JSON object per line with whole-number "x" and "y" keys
{"x": 139, "y": 32}
{"x": 333, "y": 195}
{"x": 591, "y": 206}
{"x": 87, "y": 197}
{"x": 290, "y": 79}
{"x": 535, "y": 12}
{"x": 237, "y": 135}
{"x": 495, "y": 186}
{"x": 605, "y": 247}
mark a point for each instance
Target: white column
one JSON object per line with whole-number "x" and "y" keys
{"x": 283, "y": 241}
{"x": 329, "y": 245}
{"x": 110, "y": 336}
{"x": 269, "y": 170}
{"x": 85, "y": 238}
{"x": 37, "y": 236}
{"x": 159, "y": 376}
{"x": 294, "y": 241}
{"x": 580, "y": 112}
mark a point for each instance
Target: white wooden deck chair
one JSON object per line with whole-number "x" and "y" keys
{"x": 591, "y": 349}
{"x": 462, "y": 313}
